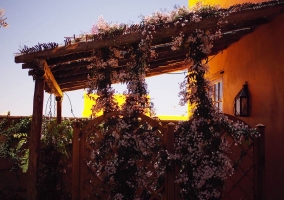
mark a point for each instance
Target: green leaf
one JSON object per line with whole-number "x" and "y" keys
{"x": 25, "y": 161}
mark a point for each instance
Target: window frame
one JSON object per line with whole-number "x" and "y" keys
{"x": 217, "y": 99}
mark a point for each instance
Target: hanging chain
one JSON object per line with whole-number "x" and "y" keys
{"x": 54, "y": 106}
{"x": 50, "y": 106}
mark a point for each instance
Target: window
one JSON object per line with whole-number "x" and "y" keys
{"x": 217, "y": 93}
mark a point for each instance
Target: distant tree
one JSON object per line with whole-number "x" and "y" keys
{"x": 3, "y": 19}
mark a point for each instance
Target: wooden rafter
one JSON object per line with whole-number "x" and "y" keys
{"x": 42, "y": 66}
{"x": 67, "y": 67}
{"x": 236, "y": 19}
{"x": 51, "y": 82}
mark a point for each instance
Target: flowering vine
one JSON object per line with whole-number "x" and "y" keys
{"x": 201, "y": 146}
{"x": 129, "y": 154}
{"x": 101, "y": 80}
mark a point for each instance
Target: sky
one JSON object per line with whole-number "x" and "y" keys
{"x": 42, "y": 21}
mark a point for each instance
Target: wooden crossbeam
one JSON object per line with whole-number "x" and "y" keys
{"x": 240, "y": 19}
{"x": 41, "y": 66}
{"x": 50, "y": 81}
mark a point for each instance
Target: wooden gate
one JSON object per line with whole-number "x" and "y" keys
{"x": 87, "y": 184}
{"x": 246, "y": 183}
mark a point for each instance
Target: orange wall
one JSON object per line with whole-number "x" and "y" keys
{"x": 223, "y": 3}
{"x": 259, "y": 58}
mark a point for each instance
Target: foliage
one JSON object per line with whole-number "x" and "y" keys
{"x": 127, "y": 156}
{"x": 57, "y": 136}
{"x": 135, "y": 141}
{"x": 55, "y": 153}
{"x": 201, "y": 147}
{"x": 120, "y": 143}
{"x": 13, "y": 138}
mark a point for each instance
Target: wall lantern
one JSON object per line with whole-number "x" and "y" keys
{"x": 241, "y": 102}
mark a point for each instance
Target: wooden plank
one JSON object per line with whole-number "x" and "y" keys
{"x": 75, "y": 161}
{"x": 82, "y": 164}
{"x": 41, "y": 65}
{"x": 73, "y": 79}
{"x": 236, "y": 19}
{"x": 74, "y": 87}
{"x": 80, "y": 81}
{"x": 259, "y": 164}
{"x": 51, "y": 82}
{"x": 69, "y": 66}
{"x": 34, "y": 140}
{"x": 170, "y": 174}
{"x": 68, "y": 57}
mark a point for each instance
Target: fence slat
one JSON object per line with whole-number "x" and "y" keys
{"x": 259, "y": 164}
{"x": 170, "y": 174}
{"x": 75, "y": 161}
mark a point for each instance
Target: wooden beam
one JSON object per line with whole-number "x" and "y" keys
{"x": 76, "y": 87}
{"x": 75, "y": 83}
{"x": 72, "y": 72}
{"x": 70, "y": 66}
{"x": 58, "y": 109}
{"x": 68, "y": 86}
{"x": 50, "y": 81}
{"x": 236, "y": 19}
{"x": 70, "y": 79}
{"x": 178, "y": 66}
{"x": 34, "y": 139}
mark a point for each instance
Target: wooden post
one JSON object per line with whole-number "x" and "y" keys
{"x": 75, "y": 161}
{"x": 259, "y": 164}
{"x": 34, "y": 140}
{"x": 170, "y": 138}
{"x": 82, "y": 167}
{"x": 58, "y": 109}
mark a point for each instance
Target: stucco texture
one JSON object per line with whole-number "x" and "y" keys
{"x": 258, "y": 59}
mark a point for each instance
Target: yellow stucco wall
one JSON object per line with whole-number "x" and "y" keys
{"x": 258, "y": 58}
{"x": 223, "y": 3}
{"x": 120, "y": 99}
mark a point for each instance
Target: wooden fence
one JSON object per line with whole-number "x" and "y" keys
{"x": 246, "y": 183}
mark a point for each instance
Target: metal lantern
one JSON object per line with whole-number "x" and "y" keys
{"x": 241, "y": 103}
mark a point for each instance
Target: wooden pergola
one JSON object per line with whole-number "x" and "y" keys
{"x": 65, "y": 68}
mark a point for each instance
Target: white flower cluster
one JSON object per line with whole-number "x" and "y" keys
{"x": 127, "y": 154}
{"x": 127, "y": 151}
{"x": 2, "y": 19}
{"x": 102, "y": 26}
{"x": 200, "y": 149}
{"x": 178, "y": 16}
{"x": 177, "y": 42}
{"x": 203, "y": 154}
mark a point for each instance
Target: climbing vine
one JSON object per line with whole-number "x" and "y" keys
{"x": 201, "y": 147}
{"x": 122, "y": 167}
